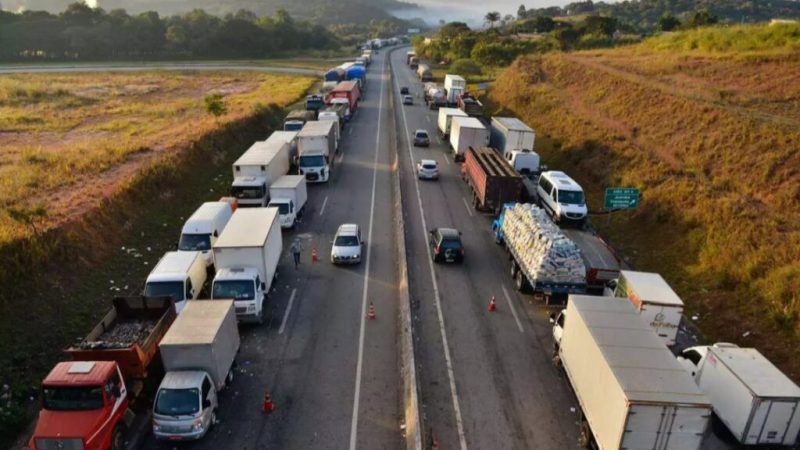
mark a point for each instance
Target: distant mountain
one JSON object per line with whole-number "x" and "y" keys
{"x": 325, "y": 12}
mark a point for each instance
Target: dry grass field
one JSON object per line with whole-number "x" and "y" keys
{"x": 707, "y": 124}
{"x": 67, "y": 140}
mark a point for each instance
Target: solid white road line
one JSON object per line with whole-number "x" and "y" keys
{"x": 356, "y": 397}
{"x": 439, "y": 140}
{"x": 469, "y": 210}
{"x": 324, "y": 202}
{"x": 445, "y": 157}
{"x": 428, "y": 118}
{"x": 438, "y": 301}
{"x": 288, "y": 310}
{"x": 350, "y": 130}
{"x": 513, "y": 311}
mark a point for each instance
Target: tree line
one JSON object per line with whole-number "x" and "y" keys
{"x": 84, "y": 33}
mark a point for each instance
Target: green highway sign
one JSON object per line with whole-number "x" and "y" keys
{"x": 621, "y": 198}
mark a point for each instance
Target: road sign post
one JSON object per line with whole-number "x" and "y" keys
{"x": 621, "y": 198}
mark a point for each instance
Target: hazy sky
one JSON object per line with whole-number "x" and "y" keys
{"x": 475, "y": 9}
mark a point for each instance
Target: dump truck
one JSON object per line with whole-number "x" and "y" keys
{"x": 492, "y": 180}
{"x": 543, "y": 259}
{"x": 632, "y": 392}
{"x": 470, "y": 105}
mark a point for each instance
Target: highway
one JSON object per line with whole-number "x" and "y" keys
{"x": 332, "y": 374}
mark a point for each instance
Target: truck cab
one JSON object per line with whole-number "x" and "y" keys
{"x": 245, "y": 287}
{"x": 250, "y": 190}
{"x": 84, "y": 406}
{"x": 185, "y": 406}
{"x": 343, "y": 101}
{"x": 179, "y": 275}
{"x": 314, "y": 103}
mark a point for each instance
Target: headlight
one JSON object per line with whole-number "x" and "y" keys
{"x": 251, "y": 308}
{"x": 197, "y": 425}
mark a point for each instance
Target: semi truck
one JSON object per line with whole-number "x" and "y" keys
{"x": 198, "y": 353}
{"x": 85, "y": 402}
{"x": 424, "y": 72}
{"x": 454, "y": 86}
{"x": 297, "y": 118}
{"x": 758, "y": 404}
{"x": 263, "y": 163}
{"x": 632, "y": 392}
{"x": 246, "y": 256}
{"x": 543, "y": 259}
{"x": 289, "y": 195}
{"x": 654, "y": 299}
{"x": 466, "y": 132}
{"x": 316, "y": 147}
{"x": 348, "y": 90}
{"x": 491, "y": 179}
{"x": 445, "y": 120}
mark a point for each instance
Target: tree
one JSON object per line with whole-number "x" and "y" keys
{"x": 215, "y": 105}
{"x": 668, "y": 22}
{"x": 522, "y": 13}
{"x": 492, "y": 17}
{"x": 702, "y": 18}
{"x": 466, "y": 67}
{"x": 600, "y": 25}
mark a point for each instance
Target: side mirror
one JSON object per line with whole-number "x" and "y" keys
{"x": 552, "y": 318}
{"x": 206, "y": 404}
{"x": 116, "y": 392}
{"x": 263, "y": 286}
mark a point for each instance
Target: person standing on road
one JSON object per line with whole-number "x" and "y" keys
{"x": 296, "y": 248}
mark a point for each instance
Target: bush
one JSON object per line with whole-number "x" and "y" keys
{"x": 466, "y": 67}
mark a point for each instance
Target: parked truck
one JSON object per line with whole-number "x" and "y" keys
{"x": 654, "y": 299}
{"x": 470, "y": 105}
{"x": 348, "y": 90}
{"x": 413, "y": 63}
{"x": 316, "y": 147}
{"x": 454, "y": 86}
{"x": 85, "y": 402}
{"x": 632, "y": 392}
{"x": 289, "y": 195}
{"x": 179, "y": 275}
{"x": 492, "y": 180}
{"x": 434, "y": 95}
{"x": 198, "y": 353}
{"x": 314, "y": 102}
{"x": 542, "y": 258}
{"x": 203, "y": 227}
{"x": 424, "y": 72}
{"x": 409, "y": 55}
{"x": 247, "y": 255}
{"x": 263, "y": 163}
{"x": 466, "y": 132}
{"x": 602, "y": 264}
{"x": 290, "y": 138}
{"x": 445, "y": 120}
{"x": 297, "y": 118}
{"x": 342, "y": 107}
{"x": 758, "y": 404}
{"x": 333, "y": 116}
{"x": 514, "y": 140}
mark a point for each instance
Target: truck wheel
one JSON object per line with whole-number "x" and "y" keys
{"x": 521, "y": 282}
{"x": 261, "y": 315}
{"x": 229, "y": 377}
{"x": 585, "y": 436}
{"x": 514, "y": 269}
{"x": 117, "y": 442}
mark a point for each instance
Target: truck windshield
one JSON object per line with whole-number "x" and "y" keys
{"x": 312, "y": 161}
{"x": 293, "y": 126}
{"x": 283, "y": 208}
{"x": 172, "y": 289}
{"x": 247, "y": 192}
{"x": 178, "y": 402}
{"x": 72, "y": 398}
{"x": 235, "y": 289}
{"x": 194, "y": 242}
{"x": 570, "y": 197}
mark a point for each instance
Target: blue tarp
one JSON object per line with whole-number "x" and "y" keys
{"x": 333, "y": 75}
{"x": 356, "y": 72}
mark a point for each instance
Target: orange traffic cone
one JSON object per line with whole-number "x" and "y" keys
{"x": 371, "y": 312}
{"x": 492, "y": 305}
{"x": 268, "y": 406}
{"x": 314, "y": 257}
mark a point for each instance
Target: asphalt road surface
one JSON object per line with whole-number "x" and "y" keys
{"x": 332, "y": 373}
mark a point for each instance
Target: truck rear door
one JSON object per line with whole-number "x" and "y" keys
{"x": 665, "y": 427}
{"x": 771, "y": 422}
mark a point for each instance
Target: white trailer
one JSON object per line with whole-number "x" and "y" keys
{"x": 753, "y": 398}
{"x": 445, "y": 120}
{"x": 290, "y": 137}
{"x": 466, "y": 132}
{"x": 289, "y": 195}
{"x": 246, "y": 257}
{"x": 631, "y": 390}
{"x": 654, "y": 299}
{"x": 316, "y": 146}
{"x": 263, "y": 163}
{"x": 333, "y": 116}
{"x": 510, "y": 133}
{"x": 454, "y": 86}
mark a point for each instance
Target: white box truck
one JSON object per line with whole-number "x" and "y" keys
{"x": 290, "y": 137}
{"x": 631, "y": 390}
{"x": 316, "y": 147}
{"x": 654, "y": 299}
{"x": 180, "y": 275}
{"x": 246, "y": 257}
{"x": 514, "y": 140}
{"x": 263, "y": 163}
{"x": 198, "y": 352}
{"x": 753, "y": 398}
{"x": 289, "y": 195}
{"x": 454, "y": 86}
{"x": 333, "y": 116}
{"x": 445, "y": 120}
{"x": 203, "y": 228}
{"x": 466, "y": 132}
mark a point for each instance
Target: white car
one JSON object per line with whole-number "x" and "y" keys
{"x": 347, "y": 245}
{"x": 427, "y": 169}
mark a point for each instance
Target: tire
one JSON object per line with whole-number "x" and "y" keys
{"x": 514, "y": 269}
{"x": 520, "y": 282}
{"x": 213, "y": 420}
{"x": 585, "y": 436}
{"x": 261, "y": 320}
{"x": 229, "y": 377}
{"x": 117, "y": 438}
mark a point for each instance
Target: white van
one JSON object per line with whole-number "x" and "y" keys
{"x": 180, "y": 275}
{"x": 525, "y": 162}
{"x": 562, "y": 197}
{"x": 203, "y": 228}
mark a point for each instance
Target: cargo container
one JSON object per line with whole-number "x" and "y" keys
{"x": 348, "y": 90}
{"x": 289, "y": 195}
{"x": 454, "y": 86}
{"x": 632, "y": 392}
{"x": 316, "y": 147}
{"x": 492, "y": 180}
{"x": 654, "y": 299}
{"x": 445, "y": 120}
{"x": 466, "y": 132}
{"x": 751, "y": 397}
